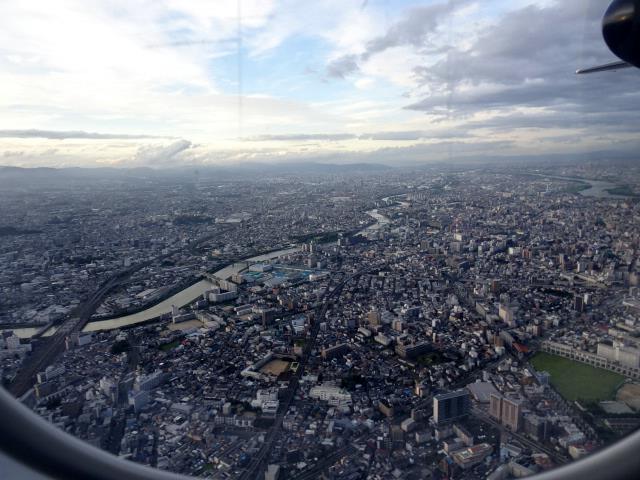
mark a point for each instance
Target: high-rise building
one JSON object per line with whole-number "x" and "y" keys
{"x": 506, "y": 314}
{"x": 451, "y": 406}
{"x": 511, "y": 413}
{"x": 495, "y": 406}
{"x": 139, "y": 399}
{"x": 536, "y": 427}
{"x": 412, "y": 351}
{"x": 506, "y": 410}
{"x": 397, "y": 435}
{"x": 562, "y": 260}
{"x": 149, "y": 382}
{"x": 578, "y": 303}
{"x": 374, "y": 317}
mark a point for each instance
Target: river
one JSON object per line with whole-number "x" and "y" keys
{"x": 28, "y": 332}
{"x": 381, "y": 220}
{"x": 597, "y": 188}
{"x": 189, "y": 294}
{"x": 182, "y": 298}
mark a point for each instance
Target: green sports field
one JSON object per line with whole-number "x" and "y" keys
{"x": 576, "y": 380}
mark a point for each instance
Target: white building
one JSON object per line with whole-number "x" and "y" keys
{"x": 264, "y": 395}
{"x": 330, "y": 393}
{"x": 13, "y": 342}
{"x": 148, "y": 382}
{"x": 217, "y": 295}
{"x": 50, "y": 373}
{"x": 618, "y": 352}
{"x": 270, "y": 407}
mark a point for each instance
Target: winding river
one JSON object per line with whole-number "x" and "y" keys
{"x": 183, "y": 297}
{"x": 191, "y": 293}
{"x": 597, "y": 188}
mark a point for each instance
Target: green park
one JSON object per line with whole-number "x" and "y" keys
{"x": 576, "y": 380}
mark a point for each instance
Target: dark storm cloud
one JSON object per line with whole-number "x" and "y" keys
{"x": 527, "y": 58}
{"x": 62, "y": 135}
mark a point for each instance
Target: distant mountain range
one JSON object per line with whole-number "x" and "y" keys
{"x": 21, "y": 176}
{"x": 284, "y": 168}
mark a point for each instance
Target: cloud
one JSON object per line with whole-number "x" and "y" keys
{"x": 62, "y": 135}
{"x": 521, "y": 69}
{"x": 305, "y": 137}
{"x": 414, "y": 29}
{"x": 414, "y": 135}
{"x": 160, "y": 155}
{"x": 406, "y": 135}
{"x": 343, "y": 66}
{"x": 460, "y": 71}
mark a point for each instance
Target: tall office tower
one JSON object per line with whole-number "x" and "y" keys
{"x": 506, "y": 314}
{"x": 451, "y": 406}
{"x": 507, "y": 411}
{"x": 374, "y": 317}
{"x": 511, "y": 413}
{"x": 495, "y": 406}
{"x": 578, "y": 303}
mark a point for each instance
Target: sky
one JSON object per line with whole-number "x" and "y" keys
{"x": 165, "y": 83}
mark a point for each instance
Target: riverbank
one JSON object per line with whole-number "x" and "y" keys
{"x": 192, "y": 292}
{"x": 184, "y": 297}
{"x": 180, "y": 299}
{"x": 592, "y": 188}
